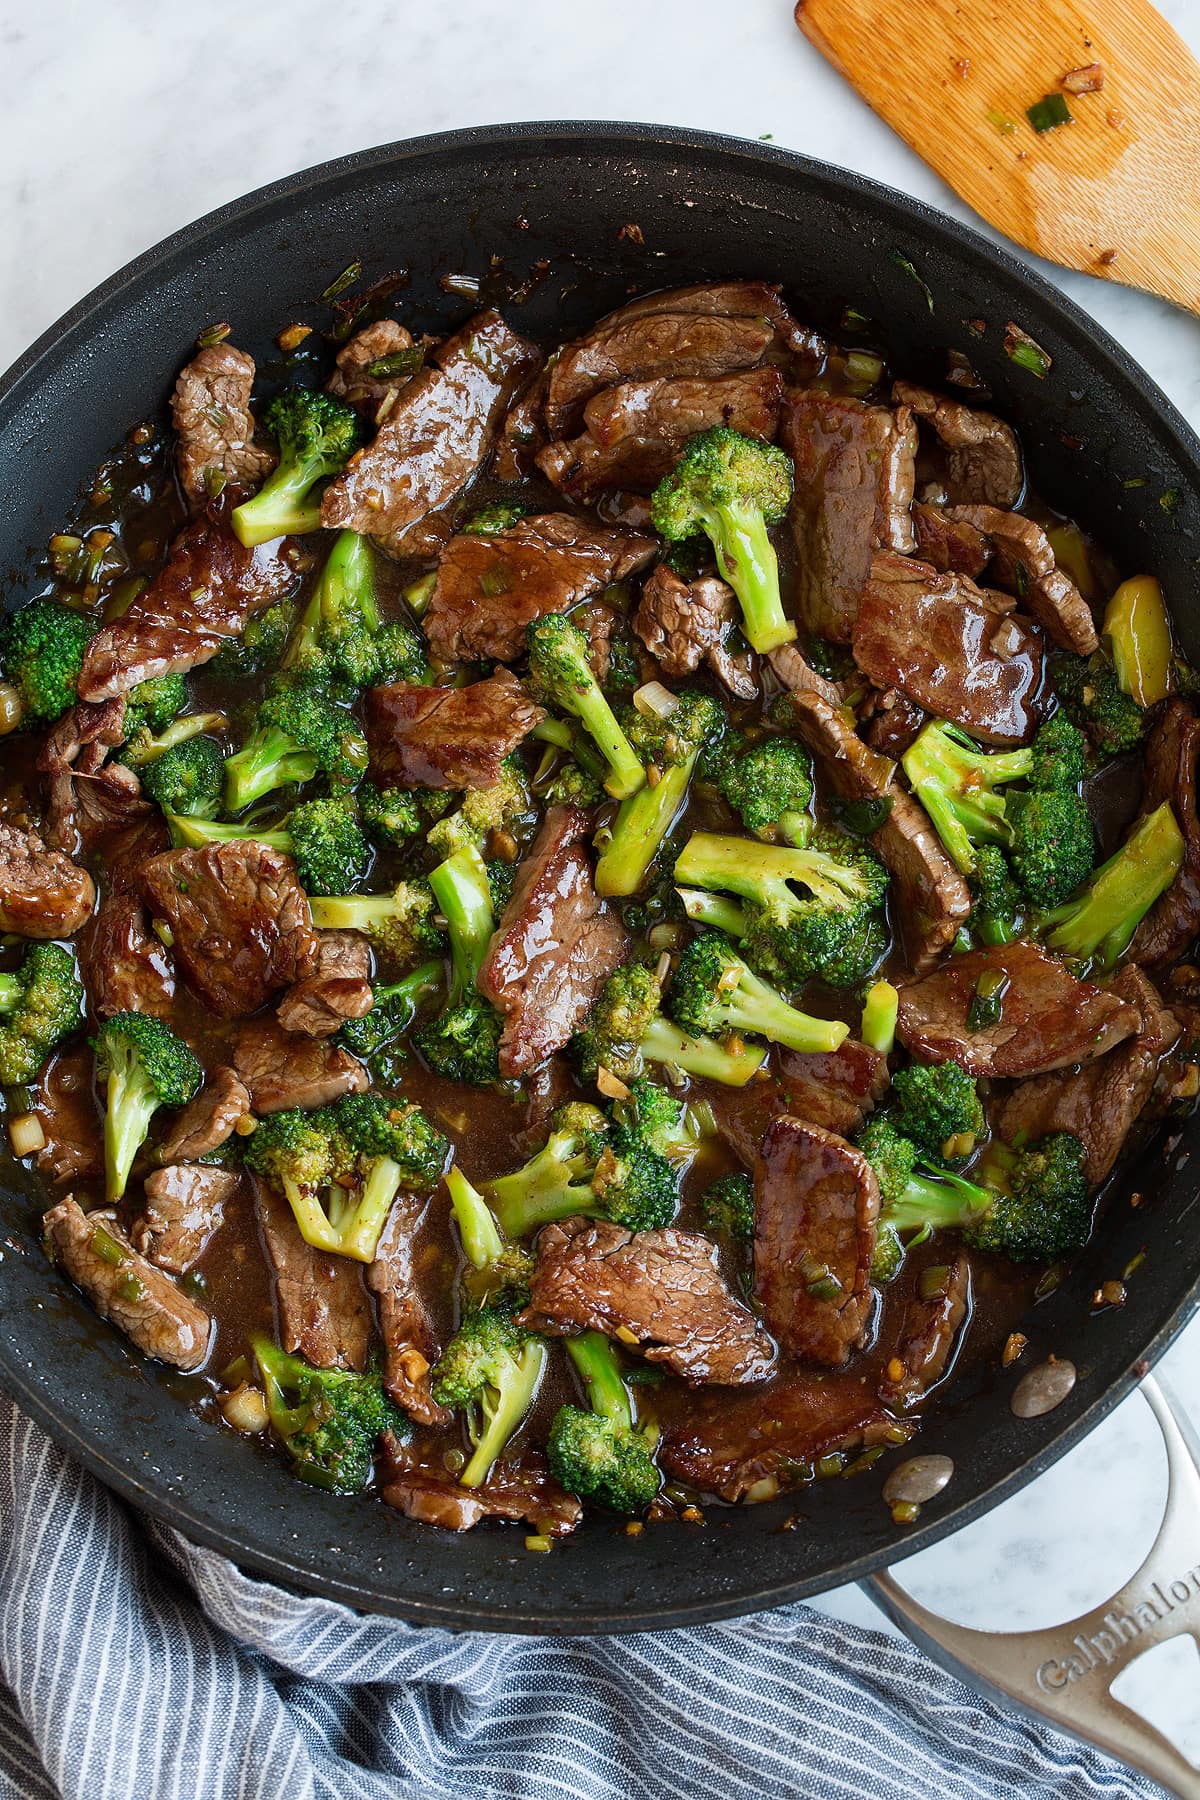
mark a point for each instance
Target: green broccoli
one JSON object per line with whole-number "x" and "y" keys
{"x": 731, "y": 487}
{"x": 501, "y": 807}
{"x": 498, "y": 1272}
{"x": 1100, "y": 920}
{"x": 401, "y": 925}
{"x": 881, "y": 1009}
{"x": 662, "y": 1121}
{"x": 768, "y": 782}
{"x": 561, "y": 676}
{"x": 937, "y": 1105}
{"x": 997, "y": 906}
{"x": 600, "y": 1454}
{"x": 146, "y": 747}
{"x": 463, "y": 1041}
{"x": 317, "y": 435}
{"x": 41, "y": 1003}
{"x": 1091, "y": 694}
{"x": 490, "y": 1371}
{"x": 143, "y": 1066}
{"x": 328, "y": 1420}
{"x": 302, "y": 729}
{"x": 592, "y": 1166}
{"x": 260, "y": 647}
{"x": 625, "y": 1029}
{"x": 324, "y": 836}
{"x": 913, "y": 1201}
{"x": 713, "y": 991}
{"x": 391, "y": 816}
{"x": 373, "y": 1038}
{"x": 571, "y": 784}
{"x": 501, "y": 515}
{"x": 833, "y": 929}
{"x": 670, "y": 742}
{"x": 154, "y": 705}
{"x": 186, "y": 780}
{"x": 41, "y": 650}
{"x": 727, "y": 1207}
{"x": 1041, "y": 1210}
{"x": 340, "y": 636}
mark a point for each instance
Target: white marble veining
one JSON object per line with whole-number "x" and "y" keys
{"x": 121, "y": 123}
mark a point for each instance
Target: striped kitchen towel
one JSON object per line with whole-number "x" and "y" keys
{"x": 138, "y": 1667}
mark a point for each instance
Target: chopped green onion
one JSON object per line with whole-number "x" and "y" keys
{"x": 1048, "y": 112}
{"x": 1026, "y": 352}
{"x": 880, "y": 1009}
{"x": 987, "y": 1001}
{"x": 853, "y": 320}
{"x": 861, "y": 817}
{"x": 910, "y": 268}
{"x": 1170, "y": 500}
{"x": 1004, "y": 125}
{"x": 340, "y": 283}
{"x": 400, "y": 362}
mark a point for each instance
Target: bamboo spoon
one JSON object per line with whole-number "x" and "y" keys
{"x": 1115, "y": 191}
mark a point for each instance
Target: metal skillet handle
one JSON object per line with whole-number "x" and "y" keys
{"x": 1064, "y": 1673}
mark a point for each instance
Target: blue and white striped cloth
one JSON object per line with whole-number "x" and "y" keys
{"x": 138, "y": 1667}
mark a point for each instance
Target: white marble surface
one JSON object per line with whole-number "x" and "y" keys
{"x": 122, "y": 123}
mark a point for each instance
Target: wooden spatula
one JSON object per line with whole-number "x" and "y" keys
{"x": 1114, "y": 189}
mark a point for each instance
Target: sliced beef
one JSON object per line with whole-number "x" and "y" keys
{"x": 982, "y": 458}
{"x": 436, "y": 435}
{"x": 209, "y": 1120}
{"x": 929, "y": 1338}
{"x": 280, "y": 1070}
{"x": 337, "y": 988}
{"x": 772, "y": 1437}
{"x": 684, "y": 623}
{"x": 125, "y": 1288}
{"x": 949, "y": 544}
{"x": 239, "y": 921}
{"x": 1048, "y": 1019}
{"x": 86, "y": 795}
{"x": 519, "y": 1487}
{"x": 490, "y": 588}
{"x": 43, "y": 894}
{"x": 816, "y": 1201}
{"x": 523, "y": 433}
{"x": 184, "y": 1206}
{"x": 1101, "y": 1102}
{"x": 1170, "y": 770}
{"x": 663, "y": 1287}
{"x": 410, "y": 1346}
{"x": 854, "y": 486}
{"x": 556, "y": 944}
{"x": 214, "y": 427}
{"x": 447, "y": 737}
{"x": 799, "y": 677}
{"x": 323, "y": 1308}
{"x": 892, "y": 722}
{"x": 929, "y": 898}
{"x": 203, "y": 596}
{"x": 1023, "y": 564}
{"x": 65, "y": 1103}
{"x": 125, "y": 966}
{"x": 953, "y": 648}
{"x": 351, "y": 380}
{"x": 635, "y": 431}
{"x": 127, "y": 853}
{"x": 833, "y": 1089}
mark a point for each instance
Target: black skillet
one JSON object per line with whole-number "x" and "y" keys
{"x": 1103, "y": 444}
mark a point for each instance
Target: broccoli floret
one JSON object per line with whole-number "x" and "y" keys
{"x": 483, "y": 810}
{"x": 401, "y": 925}
{"x": 658, "y": 1118}
{"x": 1040, "y": 1210}
{"x": 592, "y": 1166}
{"x": 937, "y": 1105}
{"x": 727, "y": 1207}
{"x": 1059, "y": 755}
{"x": 328, "y": 1420}
{"x": 41, "y": 1003}
{"x": 327, "y": 842}
{"x": 1101, "y": 919}
{"x": 914, "y": 1201}
{"x": 1089, "y": 690}
{"x": 713, "y": 991}
{"x": 187, "y": 778}
{"x": 571, "y": 785}
{"x": 317, "y": 435}
{"x": 463, "y": 1041}
{"x": 1053, "y": 843}
{"x": 302, "y": 729}
{"x": 390, "y": 816}
{"x": 153, "y": 705}
{"x": 996, "y": 902}
{"x": 373, "y": 1037}
{"x": 561, "y": 675}
{"x": 144, "y": 1066}
{"x": 340, "y": 635}
{"x": 670, "y": 744}
{"x": 731, "y": 487}
{"x": 500, "y": 516}
{"x": 489, "y": 1371}
{"x": 341, "y": 1166}
{"x": 600, "y": 1454}
{"x": 498, "y": 1273}
{"x": 625, "y": 1029}
{"x": 832, "y": 929}
{"x": 41, "y": 649}
{"x": 260, "y": 647}
{"x": 768, "y": 783}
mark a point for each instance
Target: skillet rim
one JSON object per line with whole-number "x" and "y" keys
{"x": 1091, "y": 340}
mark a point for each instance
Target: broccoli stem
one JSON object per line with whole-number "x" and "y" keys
{"x": 1101, "y": 920}
{"x": 192, "y": 833}
{"x": 346, "y": 590}
{"x": 751, "y": 869}
{"x": 956, "y": 784}
{"x": 149, "y": 749}
{"x": 480, "y": 1235}
{"x": 666, "y": 1043}
{"x": 597, "y": 1366}
{"x": 946, "y": 1202}
{"x": 753, "y": 1005}
{"x": 271, "y": 759}
{"x": 880, "y": 1010}
{"x": 130, "y": 1104}
{"x": 11, "y": 990}
{"x": 713, "y": 909}
{"x": 625, "y": 773}
{"x": 460, "y": 887}
{"x": 503, "y": 1415}
{"x": 746, "y": 558}
{"x": 641, "y": 824}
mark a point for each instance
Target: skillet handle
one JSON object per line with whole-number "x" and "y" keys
{"x": 1064, "y": 1672}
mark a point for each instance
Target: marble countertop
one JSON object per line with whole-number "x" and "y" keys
{"x": 121, "y": 124}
